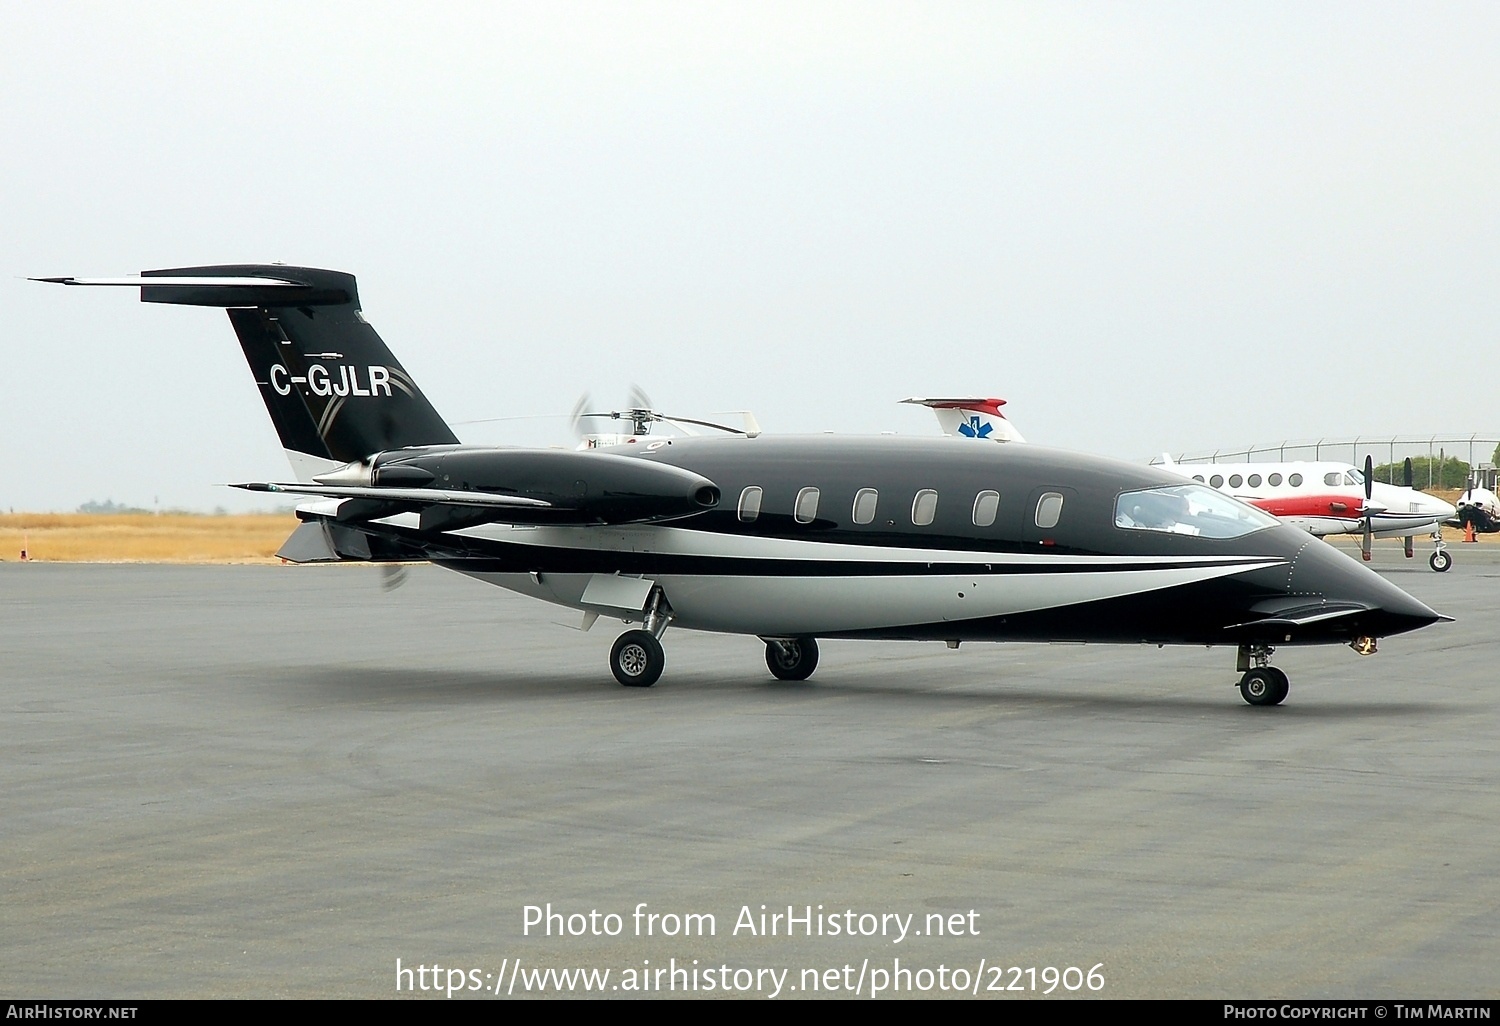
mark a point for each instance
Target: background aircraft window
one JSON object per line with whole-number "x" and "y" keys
{"x": 1274, "y": 480}
{"x": 1235, "y": 480}
{"x": 1217, "y": 480}
{"x": 1198, "y": 478}
{"x": 924, "y": 507}
{"x": 1049, "y": 510}
{"x": 1253, "y": 481}
{"x": 807, "y": 506}
{"x": 1189, "y": 509}
{"x": 864, "y": 505}
{"x": 750, "y": 503}
{"x": 1295, "y": 480}
{"x": 1333, "y": 477}
{"x": 1354, "y": 477}
{"x": 986, "y": 505}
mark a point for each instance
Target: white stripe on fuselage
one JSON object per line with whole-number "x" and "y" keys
{"x": 680, "y": 541}
{"x": 792, "y": 604}
{"x": 823, "y": 605}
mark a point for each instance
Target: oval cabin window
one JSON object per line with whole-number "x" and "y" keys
{"x": 1049, "y": 510}
{"x": 986, "y": 505}
{"x": 924, "y": 507}
{"x": 807, "y": 506}
{"x": 750, "y": 504}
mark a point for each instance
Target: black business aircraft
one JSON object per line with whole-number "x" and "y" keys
{"x": 788, "y": 538}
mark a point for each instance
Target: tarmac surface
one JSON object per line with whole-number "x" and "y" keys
{"x": 279, "y": 781}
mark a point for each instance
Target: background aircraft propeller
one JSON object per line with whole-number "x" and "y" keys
{"x": 392, "y": 576}
{"x": 1369, "y": 511}
{"x": 641, "y": 415}
{"x": 1407, "y": 542}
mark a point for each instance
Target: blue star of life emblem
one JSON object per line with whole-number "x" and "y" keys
{"x": 975, "y": 429}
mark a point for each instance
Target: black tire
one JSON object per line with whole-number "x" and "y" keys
{"x": 637, "y": 659}
{"x": 792, "y": 659}
{"x": 1265, "y": 685}
{"x": 1283, "y": 685}
{"x": 1440, "y": 561}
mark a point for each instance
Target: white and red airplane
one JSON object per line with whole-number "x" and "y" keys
{"x": 1322, "y": 498}
{"x": 1325, "y": 498}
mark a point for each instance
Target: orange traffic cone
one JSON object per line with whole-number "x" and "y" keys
{"x": 1469, "y": 531}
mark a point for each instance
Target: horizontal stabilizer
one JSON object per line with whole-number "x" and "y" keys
{"x": 412, "y": 496}
{"x": 181, "y": 282}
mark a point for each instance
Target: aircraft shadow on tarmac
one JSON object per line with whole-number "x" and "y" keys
{"x": 361, "y": 686}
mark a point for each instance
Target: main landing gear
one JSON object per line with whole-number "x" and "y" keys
{"x": 791, "y": 658}
{"x": 1262, "y": 683}
{"x": 636, "y": 658}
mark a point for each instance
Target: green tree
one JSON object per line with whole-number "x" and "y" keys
{"x": 1427, "y": 472}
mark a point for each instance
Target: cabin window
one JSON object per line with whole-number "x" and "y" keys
{"x": 1198, "y": 478}
{"x": 1254, "y": 481}
{"x": 1274, "y": 480}
{"x": 807, "y": 506}
{"x": 1217, "y": 480}
{"x": 864, "y": 505}
{"x": 1235, "y": 480}
{"x": 924, "y": 507}
{"x": 750, "y": 504}
{"x": 1049, "y": 510}
{"x": 1295, "y": 480}
{"x": 1333, "y": 477}
{"x": 986, "y": 505}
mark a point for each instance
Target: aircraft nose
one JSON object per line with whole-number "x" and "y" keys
{"x": 1438, "y": 508}
{"x": 1322, "y": 571}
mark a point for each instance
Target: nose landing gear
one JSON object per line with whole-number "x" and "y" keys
{"x": 1439, "y": 560}
{"x": 1262, "y": 683}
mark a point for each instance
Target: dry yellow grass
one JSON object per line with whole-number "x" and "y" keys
{"x": 143, "y": 538}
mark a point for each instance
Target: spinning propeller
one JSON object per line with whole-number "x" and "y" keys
{"x": 641, "y": 416}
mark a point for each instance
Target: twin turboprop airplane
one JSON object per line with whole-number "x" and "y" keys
{"x": 791, "y": 539}
{"x": 1334, "y": 498}
{"x": 1321, "y": 498}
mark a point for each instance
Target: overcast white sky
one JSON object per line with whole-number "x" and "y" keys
{"x": 1148, "y": 225}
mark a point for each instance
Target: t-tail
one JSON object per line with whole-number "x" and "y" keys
{"x": 971, "y": 418}
{"x": 332, "y": 388}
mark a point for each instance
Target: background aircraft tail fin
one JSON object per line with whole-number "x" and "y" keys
{"x": 971, "y": 418}
{"x": 333, "y": 389}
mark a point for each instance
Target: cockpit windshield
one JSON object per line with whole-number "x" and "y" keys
{"x": 1354, "y": 477}
{"x": 1190, "y": 509}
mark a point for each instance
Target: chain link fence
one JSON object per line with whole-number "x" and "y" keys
{"x": 1428, "y": 454}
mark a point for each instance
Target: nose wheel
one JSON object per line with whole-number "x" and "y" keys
{"x": 1265, "y": 685}
{"x": 1262, "y": 683}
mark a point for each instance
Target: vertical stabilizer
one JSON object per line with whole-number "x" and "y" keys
{"x": 333, "y": 389}
{"x": 971, "y": 418}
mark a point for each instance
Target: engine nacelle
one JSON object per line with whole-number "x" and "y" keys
{"x": 579, "y": 487}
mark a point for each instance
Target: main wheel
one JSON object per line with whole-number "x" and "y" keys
{"x": 637, "y": 659}
{"x": 1264, "y": 685}
{"x": 792, "y": 659}
{"x": 1440, "y": 561}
